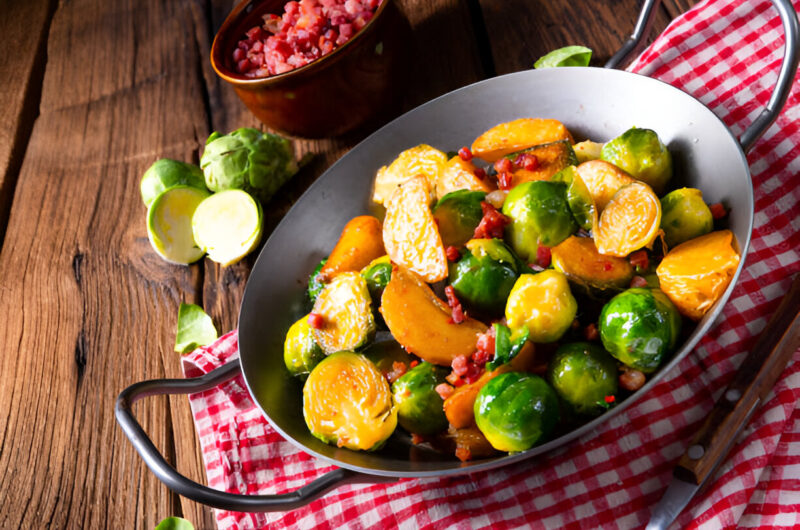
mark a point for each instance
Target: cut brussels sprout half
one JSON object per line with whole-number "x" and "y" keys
{"x": 169, "y": 224}
{"x": 228, "y": 226}
{"x": 347, "y": 402}
{"x": 345, "y": 308}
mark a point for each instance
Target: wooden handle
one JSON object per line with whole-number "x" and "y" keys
{"x": 759, "y": 371}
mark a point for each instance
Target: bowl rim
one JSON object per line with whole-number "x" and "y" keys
{"x": 217, "y": 57}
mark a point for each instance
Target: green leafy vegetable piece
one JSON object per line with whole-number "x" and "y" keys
{"x": 175, "y": 523}
{"x": 195, "y": 328}
{"x": 507, "y": 344}
{"x": 567, "y": 56}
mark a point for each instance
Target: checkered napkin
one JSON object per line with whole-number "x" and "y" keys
{"x": 727, "y": 54}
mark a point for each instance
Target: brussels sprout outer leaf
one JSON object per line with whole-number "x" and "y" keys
{"x": 516, "y": 411}
{"x": 566, "y": 56}
{"x": 195, "y": 328}
{"x": 639, "y": 327}
{"x": 419, "y": 406}
{"x": 315, "y": 283}
{"x": 578, "y": 197}
{"x": 507, "y": 344}
{"x": 174, "y": 523}
{"x": 377, "y": 275}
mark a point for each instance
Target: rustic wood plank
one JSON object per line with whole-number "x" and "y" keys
{"x": 24, "y": 26}
{"x": 87, "y": 307}
{"x": 540, "y": 27}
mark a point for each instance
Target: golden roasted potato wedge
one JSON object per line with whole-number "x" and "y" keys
{"x": 420, "y": 160}
{"x": 459, "y": 174}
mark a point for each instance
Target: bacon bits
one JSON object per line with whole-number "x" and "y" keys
{"x": 492, "y": 224}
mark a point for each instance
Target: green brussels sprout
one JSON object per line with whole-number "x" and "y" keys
{"x": 639, "y": 327}
{"x": 515, "y": 411}
{"x": 301, "y": 353}
{"x": 539, "y": 214}
{"x": 484, "y": 275}
{"x": 458, "y": 214}
{"x": 315, "y": 286}
{"x": 544, "y": 303}
{"x": 420, "y": 409}
{"x": 166, "y": 174}
{"x": 579, "y": 198}
{"x": 377, "y": 274}
{"x": 583, "y": 374}
{"x": 640, "y": 153}
{"x": 684, "y": 216}
{"x": 384, "y": 353}
{"x": 248, "y": 159}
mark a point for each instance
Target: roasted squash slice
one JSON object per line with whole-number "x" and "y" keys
{"x": 552, "y": 158}
{"x": 360, "y": 243}
{"x": 517, "y": 135}
{"x": 422, "y": 323}
{"x": 584, "y": 266}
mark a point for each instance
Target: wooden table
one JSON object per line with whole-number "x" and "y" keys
{"x": 92, "y": 93}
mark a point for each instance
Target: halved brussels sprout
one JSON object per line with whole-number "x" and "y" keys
{"x": 629, "y": 222}
{"x": 348, "y": 402}
{"x": 301, "y": 353}
{"x": 346, "y": 310}
{"x": 484, "y": 275}
{"x": 684, "y": 216}
{"x": 583, "y": 374}
{"x": 640, "y": 327}
{"x": 516, "y": 411}
{"x": 457, "y": 215}
{"x": 544, "y": 303}
{"x": 597, "y": 275}
{"x": 419, "y": 407}
{"x": 539, "y": 214}
{"x": 579, "y": 198}
{"x": 377, "y": 275}
{"x": 315, "y": 283}
{"x": 640, "y": 153}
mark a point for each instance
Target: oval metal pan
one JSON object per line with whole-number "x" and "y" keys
{"x": 593, "y": 103}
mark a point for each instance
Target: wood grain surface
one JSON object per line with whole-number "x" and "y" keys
{"x": 95, "y": 92}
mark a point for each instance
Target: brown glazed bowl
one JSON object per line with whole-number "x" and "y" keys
{"x": 357, "y": 84}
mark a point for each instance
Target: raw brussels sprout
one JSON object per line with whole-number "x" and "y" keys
{"x": 419, "y": 406}
{"x": 640, "y": 327}
{"x": 539, "y": 214}
{"x": 544, "y": 303}
{"x": 348, "y": 322}
{"x": 315, "y": 285}
{"x": 583, "y": 374}
{"x": 165, "y": 174}
{"x": 458, "y": 214}
{"x": 515, "y": 411}
{"x": 301, "y": 353}
{"x": 484, "y": 275}
{"x": 684, "y": 216}
{"x": 248, "y": 159}
{"x": 377, "y": 275}
{"x": 348, "y": 402}
{"x": 640, "y": 153}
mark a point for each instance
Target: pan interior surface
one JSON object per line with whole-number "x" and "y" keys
{"x": 593, "y": 103}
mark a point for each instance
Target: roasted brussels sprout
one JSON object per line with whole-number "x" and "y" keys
{"x": 515, "y": 411}
{"x": 315, "y": 283}
{"x": 248, "y": 159}
{"x": 345, "y": 309}
{"x": 377, "y": 275}
{"x": 539, "y": 214}
{"x": 458, "y": 214}
{"x": 385, "y": 353}
{"x": 640, "y": 327}
{"x": 301, "y": 353}
{"x": 641, "y": 153}
{"x": 583, "y": 374}
{"x": 484, "y": 275}
{"x": 419, "y": 406}
{"x": 165, "y": 174}
{"x": 684, "y": 216}
{"x": 348, "y": 402}
{"x": 579, "y": 198}
{"x": 544, "y": 303}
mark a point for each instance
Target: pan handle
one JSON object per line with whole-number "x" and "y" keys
{"x": 198, "y": 492}
{"x": 780, "y": 93}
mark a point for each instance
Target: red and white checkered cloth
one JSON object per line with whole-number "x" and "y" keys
{"x": 727, "y": 54}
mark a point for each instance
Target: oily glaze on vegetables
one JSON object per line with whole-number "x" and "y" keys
{"x": 522, "y": 284}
